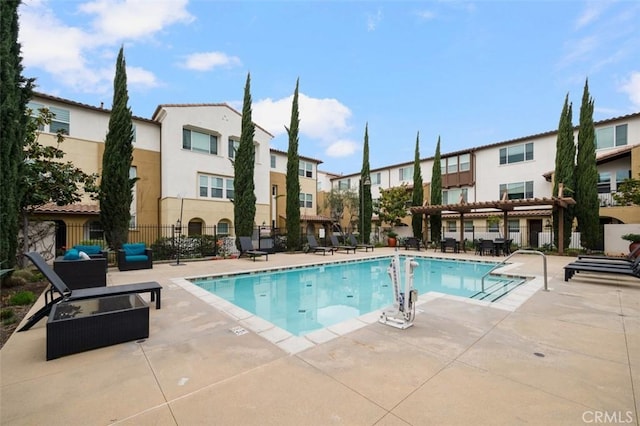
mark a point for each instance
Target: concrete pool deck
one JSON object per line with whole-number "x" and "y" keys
{"x": 566, "y": 356}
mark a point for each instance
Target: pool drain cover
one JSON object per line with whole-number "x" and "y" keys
{"x": 238, "y": 331}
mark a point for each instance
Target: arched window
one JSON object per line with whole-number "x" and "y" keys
{"x": 224, "y": 227}
{"x": 195, "y": 227}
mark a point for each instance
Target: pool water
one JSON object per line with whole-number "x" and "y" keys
{"x": 305, "y": 299}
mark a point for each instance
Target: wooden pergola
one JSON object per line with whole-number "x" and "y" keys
{"x": 505, "y": 206}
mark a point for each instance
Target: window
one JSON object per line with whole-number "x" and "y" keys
{"x": 465, "y": 162}
{"x": 344, "y": 184}
{"x": 516, "y": 153}
{"x": 305, "y": 169}
{"x": 621, "y": 175}
{"x": 199, "y": 142}
{"x": 611, "y": 136}
{"x": 95, "y": 230}
{"x": 133, "y": 173}
{"x": 194, "y": 227}
{"x": 222, "y": 228}
{"x": 306, "y": 200}
{"x": 468, "y": 226}
{"x": 134, "y": 131}
{"x": 493, "y": 225}
{"x": 517, "y": 190}
{"x": 514, "y": 225}
{"x": 452, "y": 196}
{"x": 60, "y": 120}
{"x": 233, "y": 146}
{"x": 215, "y": 187}
{"x": 375, "y": 178}
{"x": 452, "y": 165}
{"x": 452, "y": 226}
{"x": 604, "y": 183}
{"x": 406, "y": 173}
{"x": 273, "y": 161}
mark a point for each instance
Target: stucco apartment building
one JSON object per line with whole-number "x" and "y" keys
{"x": 521, "y": 168}
{"x": 183, "y": 159}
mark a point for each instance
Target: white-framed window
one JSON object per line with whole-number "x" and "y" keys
{"x": 305, "y": 169}
{"x": 493, "y": 226}
{"x": 133, "y": 173}
{"x": 468, "y": 226}
{"x": 220, "y": 187}
{"x": 60, "y": 121}
{"x": 452, "y": 196}
{"x": 344, "y": 184}
{"x": 452, "y": 225}
{"x": 376, "y": 178}
{"x": 222, "y": 228}
{"x": 196, "y": 141}
{"x": 452, "y": 165}
{"x": 273, "y": 161}
{"x": 604, "y": 183}
{"x": 134, "y": 131}
{"x": 95, "y": 231}
{"x": 232, "y": 147}
{"x": 306, "y": 200}
{"x": 517, "y": 190}
{"x": 513, "y": 225}
{"x": 406, "y": 173}
{"x": 465, "y": 162}
{"x": 608, "y": 137}
{"x": 621, "y": 175}
{"x": 516, "y": 153}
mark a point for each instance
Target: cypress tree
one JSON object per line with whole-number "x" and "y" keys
{"x": 418, "y": 191}
{"x": 565, "y": 164}
{"x": 366, "y": 203}
{"x": 116, "y": 186}
{"x": 435, "y": 220}
{"x": 244, "y": 206}
{"x": 16, "y": 92}
{"x": 586, "y": 196}
{"x": 293, "y": 177}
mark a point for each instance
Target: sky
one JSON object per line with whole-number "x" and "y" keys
{"x": 471, "y": 73}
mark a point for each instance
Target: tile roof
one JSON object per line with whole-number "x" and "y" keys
{"x": 69, "y": 209}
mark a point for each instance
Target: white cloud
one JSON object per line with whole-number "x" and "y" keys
{"x": 320, "y": 119}
{"x": 132, "y": 19}
{"x": 325, "y": 121}
{"x": 591, "y": 13}
{"x": 426, "y": 15}
{"x": 373, "y": 20}
{"x": 206, "y": 61}
{"x": 341, "y": 148}
{"x": 75, "y": 56}
{"x": 632, "y": 88}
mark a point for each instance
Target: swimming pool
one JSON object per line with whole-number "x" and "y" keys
{"x": 305, "y": 299}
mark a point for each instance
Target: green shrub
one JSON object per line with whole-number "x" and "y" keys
{"x": 27, "y": 274}
{"x": 22, "y": 298}
{"x": 14, "y": 281}
{"x": 7, "y": 313}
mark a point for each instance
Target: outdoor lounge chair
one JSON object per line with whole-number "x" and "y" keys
{"x": 632, "y": 270}
{"x": 335, "y": 244}
{"x": 314, "y": 247}
{"x": 413, "y": 242}
{"x": 353, "y": 242}
{"x": 628, "y": 258}
{"x": 246, "y": 248}
{"x": 66, "y": 294}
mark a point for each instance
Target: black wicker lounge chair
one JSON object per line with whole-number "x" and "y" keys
{"x": 66, "y": 294}
{"x": 335, "y": 244}
{"x": 246, "y": 249}
{"x": 628, "y": 258}
{"x": 315, "y": 248}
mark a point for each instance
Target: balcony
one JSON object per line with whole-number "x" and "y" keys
{"x": 607, "y": 200}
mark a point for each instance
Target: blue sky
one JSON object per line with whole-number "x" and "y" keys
{"x": 471, "y": 73}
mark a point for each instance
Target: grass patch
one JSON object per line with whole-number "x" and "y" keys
{"x": 24, "y": 297}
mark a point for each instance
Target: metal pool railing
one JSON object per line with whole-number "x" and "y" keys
{"x": 544, "y": 263}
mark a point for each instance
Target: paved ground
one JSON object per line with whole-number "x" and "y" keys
{"x": 567, "y": 356}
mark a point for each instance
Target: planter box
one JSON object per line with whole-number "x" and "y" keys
{"x": 88, "y": 324}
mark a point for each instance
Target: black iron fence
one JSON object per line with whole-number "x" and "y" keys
{"x": 171, "y": 242}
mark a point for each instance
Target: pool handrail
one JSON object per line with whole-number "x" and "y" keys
{"x": 521, "y": 251}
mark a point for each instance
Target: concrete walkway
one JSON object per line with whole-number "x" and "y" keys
{"x": 568, "y": 356}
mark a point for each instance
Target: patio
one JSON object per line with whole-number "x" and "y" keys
{"x": 570, "y": 355}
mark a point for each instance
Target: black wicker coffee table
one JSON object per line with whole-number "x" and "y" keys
{"x": 87, "y": 324}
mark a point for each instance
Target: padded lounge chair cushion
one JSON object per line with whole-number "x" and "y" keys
{"x": 89, "y": 249}
{"x": 134, "y": 249}
{"x": 72, "y": 254}
{"x": 137, "y": 258}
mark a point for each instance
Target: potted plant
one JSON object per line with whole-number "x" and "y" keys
{"x": 391, "y": 238}
{"x": 634, "y": 239}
